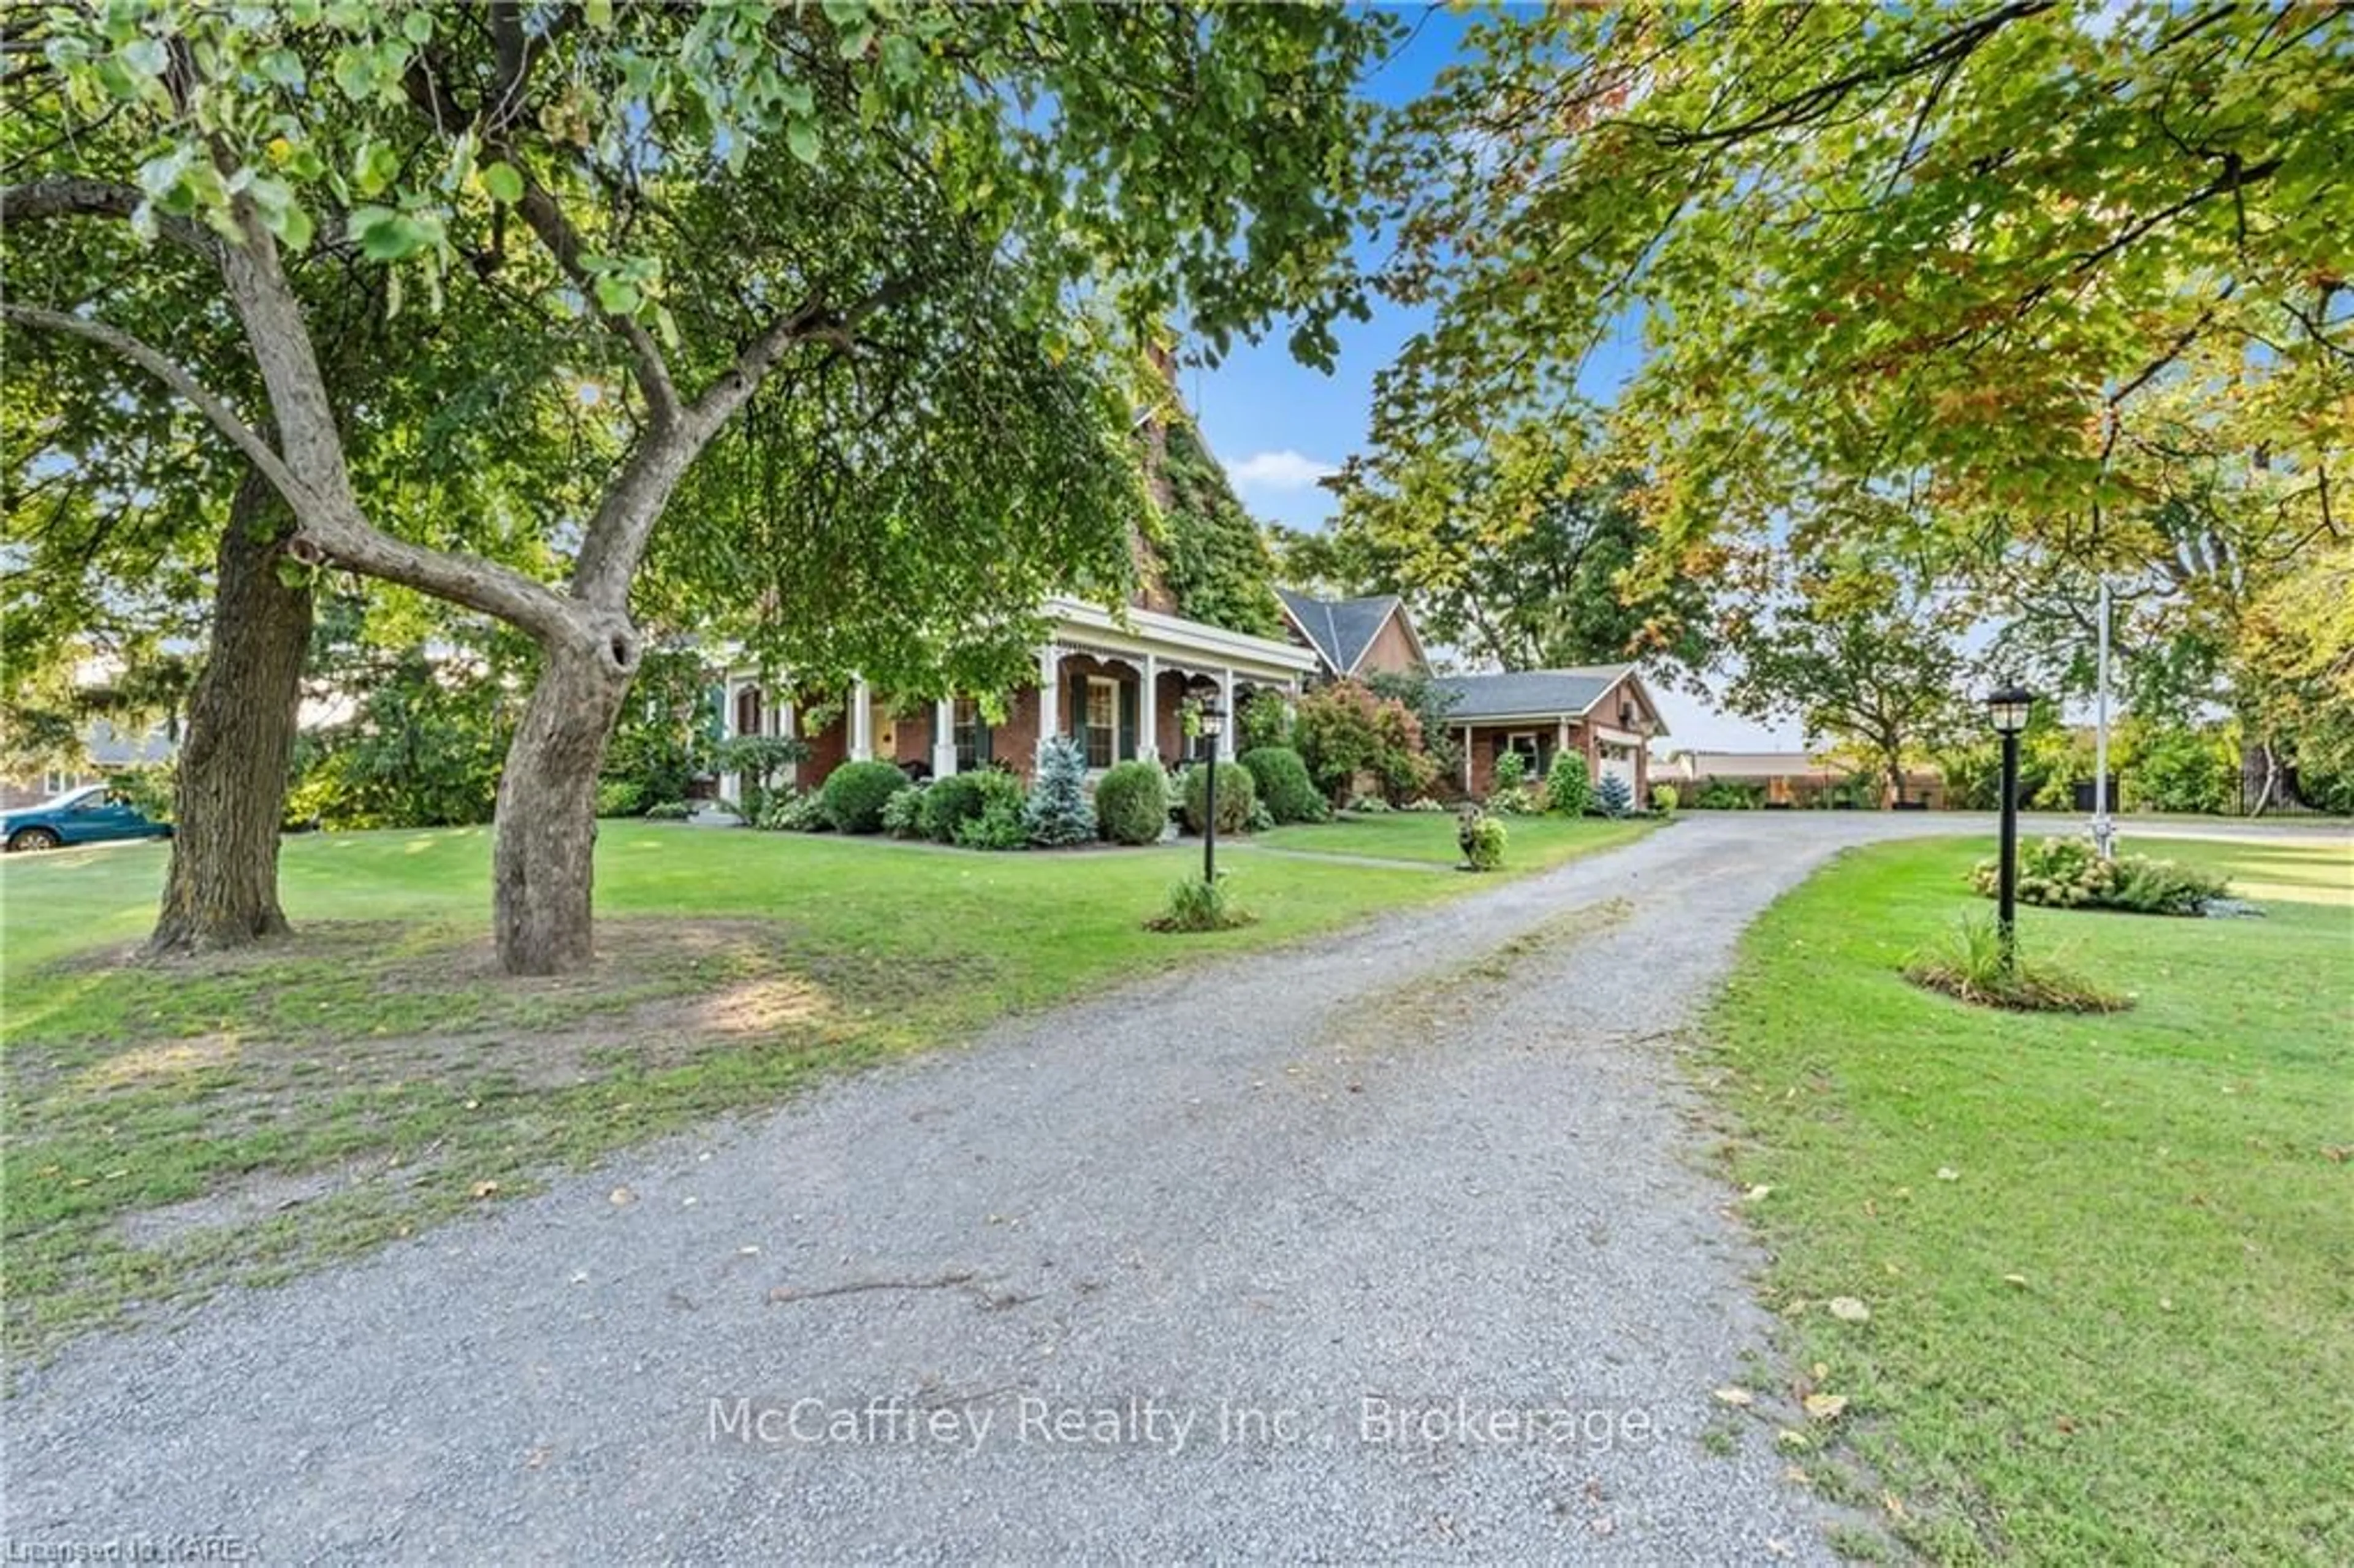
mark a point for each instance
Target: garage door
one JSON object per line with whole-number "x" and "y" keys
{"x": 1618, "y": 762}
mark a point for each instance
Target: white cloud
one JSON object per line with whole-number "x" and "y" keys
{"x": 1286, "y": 471}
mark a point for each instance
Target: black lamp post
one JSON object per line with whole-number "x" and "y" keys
{"x": 1214, "y": 719}
{"x": 2008, "y": 710}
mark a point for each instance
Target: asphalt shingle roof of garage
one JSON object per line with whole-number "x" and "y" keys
{"x": 1529, "y": 694}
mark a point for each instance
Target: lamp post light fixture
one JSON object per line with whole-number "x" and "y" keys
{"x": 1213, "y": 719}
{"x": 2008, "y": 711}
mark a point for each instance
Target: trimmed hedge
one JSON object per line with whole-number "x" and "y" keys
{"x": 949, "y": 801}
{"x": 1280, "y": 776}
{"x": 1237, "y": 795}
{"x": 1132, "y": 803}
{"x": 856, "y": 792}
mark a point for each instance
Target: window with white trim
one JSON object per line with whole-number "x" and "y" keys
{"x": 1103, "y": 721}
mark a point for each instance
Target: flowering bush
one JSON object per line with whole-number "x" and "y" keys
{"x": 2069, "y": 874}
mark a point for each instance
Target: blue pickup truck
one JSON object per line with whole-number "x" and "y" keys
{"x": 92, "y": 814}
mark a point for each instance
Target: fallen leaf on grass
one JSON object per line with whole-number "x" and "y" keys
{"x": 1947, "y": 1173}
{"x": 1736, "y": 1396}
{"x": 2017, "y": 1281}
{"x": 1756, "y": 1195}
{"x": 1825, "y": 1406}
{"x": 1848, "y": 1309}
{"x": 482, "y": 1189}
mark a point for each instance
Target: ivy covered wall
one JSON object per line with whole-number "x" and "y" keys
{"x": 1213, "y": 560}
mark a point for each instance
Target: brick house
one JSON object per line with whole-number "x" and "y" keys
{"x": 1114, "y": 681}
{"x": 1603, "y": 711}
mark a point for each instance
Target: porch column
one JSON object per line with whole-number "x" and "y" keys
{"x": 1148, "y": 712}
{"x": 944, "y": 761}
{"x": 730, "y": 786}
{"x": 862, "y": 722}
{"x": 788, "y": 726}
{"x": 1050, "y": 692}
{"x": 1466, "y": 759}
{"x": 1226, "y": 730}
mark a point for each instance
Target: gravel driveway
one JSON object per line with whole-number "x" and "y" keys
{"x": 1393, "y": 1245}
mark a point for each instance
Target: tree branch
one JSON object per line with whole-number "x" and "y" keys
{"x": 64, "y": 196}
{"x": 179, "y": 379}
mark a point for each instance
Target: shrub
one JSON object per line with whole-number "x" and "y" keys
{"x": 669, "y": 811}
{"x": 1283, "y": 785}
{"x": 1419, "y": 803}
{"x": 784, "y": 812}
{"x": 1665, "y": 799}
{"x": 903, "y": 813}
{"x": 1262, "y": 719}
{"x": 1236, "y": 796}
{"x": 856, "y": 792}
{"x": 1343, "y": 729}
{"x": 1198, "y": 904}
{"x": 2069, "y": 874}
{"x": 1132, "y": 803}
{"x": 1058, "y": 813}
{"x": 954, "y": 799}
{"x": 1000, "y": 825}
{"x": 1724, "y": 795}
{"x": 1968, "y": 965}
{"x": 954, "y": 806}
{"x": 1611, "y": 794}
{"x": 1368, "y": 805}
{"x": 621, "y": 798}
{"x": 1481, "y": 838}
{"x": 1511, "y": 771}
{"x": 1569, "y": 788}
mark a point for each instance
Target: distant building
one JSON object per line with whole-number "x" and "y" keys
{"x": 106, "y": 752}
{"x": 1795, "y": 779}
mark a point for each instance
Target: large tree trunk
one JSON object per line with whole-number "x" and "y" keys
{"x": 238, "y": 748}
{"x": 545, "y": 863}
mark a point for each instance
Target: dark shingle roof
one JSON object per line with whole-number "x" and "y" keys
{"x": 1529, "y": 694}
{"x": 1341, "y": 629}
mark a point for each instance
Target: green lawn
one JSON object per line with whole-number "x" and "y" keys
{"x": 1429, "y": 837}
{"x": 171, "y": 1128}
{"x": 2109, "y": 1261}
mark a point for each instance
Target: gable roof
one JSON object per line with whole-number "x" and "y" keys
{"x": 1539, "y": 693}
{"x": 1341, "y": 629}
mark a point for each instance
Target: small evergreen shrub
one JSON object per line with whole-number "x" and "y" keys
{"x": 1611, "y": 794}
{"x": 1197, "y": 905}
{"x": 1132, "y": 803}
{"x": 856, "y": 792}
{"x": 669, "y": 811}
{"x": 1283, "y": 785}
{"x": 620, "y": 797}
{"x": 1481, "y": 839}
{"x": 1058, "y": 813}
{"x": 1967, "y": 964}
{"x": 1569, "y": 788}
{"x": 903, "y": 814}
{"x": 1236, "y": 796}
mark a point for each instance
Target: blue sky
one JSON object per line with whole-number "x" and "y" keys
{"x": 1280, "y": 426}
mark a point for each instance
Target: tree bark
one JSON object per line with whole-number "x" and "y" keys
{"x": 544, "y": 865}
{"x": 230, "y": 798}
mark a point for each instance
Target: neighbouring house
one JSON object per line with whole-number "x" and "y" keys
{"x": 1600, "y": 710}
{"x": 1797, "y": 780}
{"x": 1354, "y": 637}
{"x": 105, "y": 752}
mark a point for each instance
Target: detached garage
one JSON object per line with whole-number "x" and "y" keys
{"x": 1601, "y": 710}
